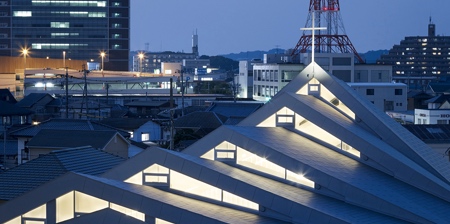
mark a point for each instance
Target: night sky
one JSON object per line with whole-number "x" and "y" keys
{"x": 234, "y": 26}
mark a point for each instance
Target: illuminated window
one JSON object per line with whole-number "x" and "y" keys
{"x": 128, "y": 212}
{"x": 161, "y": 221}
{"x": 37, "y": 215}
{"x": 22, "y": 13}
{"x": 65, "y": 207}
{"x": 225, "y": 151}
{"x": 156, "y": 175}
{"x": 145, "y": 136}
{"x": 85, "y": 204}
{"x": 59, "y": 24}
{"x": 285, "y": 117}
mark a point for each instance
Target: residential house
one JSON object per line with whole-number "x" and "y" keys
{"x": 47, "y": 140}
{"x": 39, "y": 104}
{"x": 24, "y": 135}
{"x": 140, "y": 129}
{"x": 317, "y": 152}
{"x": 11, "y": 114}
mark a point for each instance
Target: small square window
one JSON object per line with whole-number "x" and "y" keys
{"x": 398, "y": 92}
{"x": 370, "y": 92}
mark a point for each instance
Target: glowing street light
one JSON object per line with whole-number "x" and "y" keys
{"x": 141, "y": 56}
{"x": 102, "y": 54}
{"x": 64, "y": 59}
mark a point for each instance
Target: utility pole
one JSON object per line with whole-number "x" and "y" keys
{"x": 67, "y": 94}
{"x": 171, "y": 117}
{"x": 182, "y": 93}
{"x": 4, "y": 145}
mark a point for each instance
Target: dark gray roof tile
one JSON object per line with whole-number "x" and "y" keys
{"x": 23, "y": 178}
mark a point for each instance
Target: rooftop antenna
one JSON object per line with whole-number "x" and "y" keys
{"x": 147, "y": 47}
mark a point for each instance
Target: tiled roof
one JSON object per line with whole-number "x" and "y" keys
{"x": 8, "y": 109}
{"x": 204, "y": 120}
{"x": 231, "y": 109}
{"x": 439, "y": 87}
{"x": 25, "y": 177}
{"x": 126, "y": 123}
{"x": 66, "y": 124}
{"x": 439, "y": 99}
{"x": 30, "y": 99}
{"x": 48, "y": 138}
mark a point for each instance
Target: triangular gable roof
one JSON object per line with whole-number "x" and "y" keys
{"x": 148, "y": 200}
{"x": 25, "y": 177}
{"x": 368, "y": 117}
{"x": 6, "y": 95}
{"x": 29, "y": 100}
{"x": 264, "y": 191}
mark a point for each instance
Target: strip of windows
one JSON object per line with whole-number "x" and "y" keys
{"x": 68, "y": 3}
{"x": 157, "y": 175}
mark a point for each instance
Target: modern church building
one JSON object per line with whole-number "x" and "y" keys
{"x": 80, "y": 30}
{"x": 317, "y": 152}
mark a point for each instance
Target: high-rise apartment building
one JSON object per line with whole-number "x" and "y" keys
{"x": 67, "y": 29}
{"x": 418, "y": 60}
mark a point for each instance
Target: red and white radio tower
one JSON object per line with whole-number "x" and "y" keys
{"x": 331, "y": 40}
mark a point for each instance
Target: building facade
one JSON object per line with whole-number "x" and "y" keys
{"x": 79, "y": 30}
{"x": 385, "y": 96}
{"x": 417, "y": 60}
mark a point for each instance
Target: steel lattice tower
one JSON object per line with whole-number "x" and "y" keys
{"x": 331, "y": 40}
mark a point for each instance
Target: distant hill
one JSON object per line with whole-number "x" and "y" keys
{"x": 370, "y": 56}
{"x": 373, "y": 56}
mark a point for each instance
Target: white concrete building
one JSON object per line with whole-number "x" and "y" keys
{"x": 438, "y": 111}
{"x": 385, "y": 96}
{"x": 268, "y": 79}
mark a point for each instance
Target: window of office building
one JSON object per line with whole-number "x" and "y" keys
{"x": 370, "y": 92}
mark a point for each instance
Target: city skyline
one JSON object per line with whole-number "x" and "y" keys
{"x": 238, "y": 26}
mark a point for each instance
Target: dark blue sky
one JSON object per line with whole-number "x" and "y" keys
{"x": 233, "y": 26}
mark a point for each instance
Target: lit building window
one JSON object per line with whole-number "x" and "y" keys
{"x": 22, "y": 13}
{"x": 145, "y": 136}
{"x": 59, "y": 24}
{"x": 225, "y": 151}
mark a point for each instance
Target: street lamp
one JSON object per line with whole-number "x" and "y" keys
{"x": 64, "y": 59}
{"x": 102, "y": 54}
{"x": 141, "y": 56}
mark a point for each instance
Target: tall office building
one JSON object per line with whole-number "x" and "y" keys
{"x": 67, "y": 29}
{"x": 418, "y": 60}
